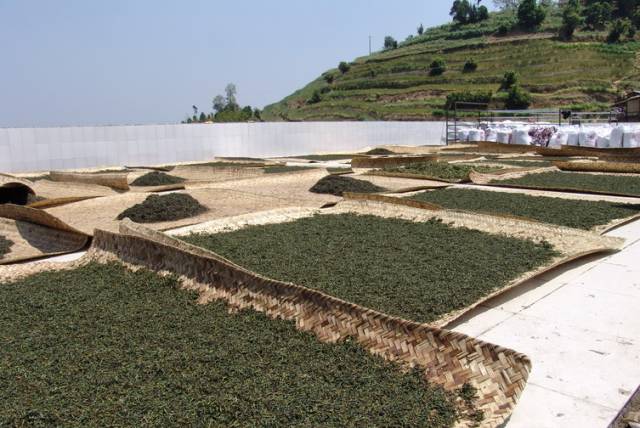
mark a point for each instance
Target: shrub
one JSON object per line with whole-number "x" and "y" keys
{"x": 328, "y": 77}
{"x": 530, "y": 14}
{"x": 390, "y": 43}
{"x": 420, "y": 30}
{"x": 597, "y": 14}
{"x": 315, "y": 97}
{"x": 509, "y": 80}
{"x": 468, "y": 97}
{"x": 438, "y": 67}
{"x": 344, "y": 67}
{"x": 517, "y": 99}
{"x": 470, "y": 66}
{"x": 618, "y": 28}
{"x": 571, "y": 19}
{"x": 505, "y": 27}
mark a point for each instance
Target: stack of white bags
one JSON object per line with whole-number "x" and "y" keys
{"x": 598, "y": 135}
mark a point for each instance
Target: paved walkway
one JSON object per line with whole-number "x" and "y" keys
{"x": 581, "y": 328}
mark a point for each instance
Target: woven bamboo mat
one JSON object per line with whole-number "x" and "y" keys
{"x": 210, "y": 174}
{"x": 380, "y": 162}
{"x": 446, "y": 358}
{"x": 114, "y": 180}
{"x": 487, "y": 178}
{"x": 55, "y": 189}
{"x": 36, "y": 234}
{"x": 401, "y": 185}
{"x": 614, "y": 167}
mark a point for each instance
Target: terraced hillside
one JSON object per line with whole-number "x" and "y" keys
{"x": 584, "y": 74}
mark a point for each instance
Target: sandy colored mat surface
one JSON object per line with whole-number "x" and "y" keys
{"x": 203, "y": 173}
{"x": 115, "y": 180}
{"x": 35, "y": 234}
{"x": 54, "y": 189}
{"x": 102, "y": 212}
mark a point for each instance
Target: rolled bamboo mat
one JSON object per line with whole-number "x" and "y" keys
{"x": 614, "y": 167}
{"x": 446, "y": 358}
{"x": 115, "y": 180}
{"x": 54, "y": 190}
{"x": 36, "y": 234}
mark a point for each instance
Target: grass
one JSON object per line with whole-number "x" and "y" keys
{"x": 5, "y": 245}
{"x": 615, "y": 184}
{"x": 418, "y": 271}
{"x": 283, "y": 169}
{"x": 103, "y": 345}
{"x": 338, "y": 185}
{"x": 441, "y": 170}
{"x": 169, "y": 207}
{"x": 564, "y": 212}
{"x": 156, "y": 178}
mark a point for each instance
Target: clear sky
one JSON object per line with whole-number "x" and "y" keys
{"x": 79, "y": 62}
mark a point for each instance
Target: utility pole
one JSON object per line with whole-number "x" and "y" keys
{"x": 369, "y": 45}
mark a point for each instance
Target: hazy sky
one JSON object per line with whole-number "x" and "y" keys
{"x": 76, "y": 62}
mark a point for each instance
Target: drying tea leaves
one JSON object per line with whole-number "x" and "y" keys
{"x": 418, "y": 271}
{"x": 380, "y": 152}
{"x": 157, "y": 208}
{"x": 338, "y": 185}
{"x": 442, "y": 170}
{"x": 282, "y": 169}
{"x": 157, "y": 178}
{"x": 102, "y": 344}
{"x": 5, "y": 245}
{"x": 615, "y": 184}
{"x": 563, "y": 212}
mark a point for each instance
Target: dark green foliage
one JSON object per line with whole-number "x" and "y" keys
{"x": 517, "y": 99}
{"x": 344, "y": 67}
{"x": 437, "y": 67}
{"x": 619, "y": 27}
{"x": 103, "y": 345}
{"x": 441, "y": 170}
{"x": 5, "y": 245}
{"x": 390, "y": 43}
{"x": 418, "y": 271}
{"x": 509, "y": 80}
{"x": 338, "y": 185}
{"x": 156, "y": 178}
{"x": 467, "y": 97}
{"x": 380, "y": 151}
{"x": 470, "y": 66}
{"x": 571, "y": 19}
{"x": 315, "y": 98}
{"x": 573, "y": 181}
{"x": 463, "y": 12}
{"x": 597, "y": 14}
{"x": 530, "y": 14}
{"x": 564, "y": 212}
{"x": 328, "y": 77}
{"x": 420, "y": 30}
{"x": 169, "y": 207}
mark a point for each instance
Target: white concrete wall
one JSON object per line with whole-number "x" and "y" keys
{"x": 42, "y": 149}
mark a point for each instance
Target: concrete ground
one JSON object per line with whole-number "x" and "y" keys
{"x": 581, "y": 328}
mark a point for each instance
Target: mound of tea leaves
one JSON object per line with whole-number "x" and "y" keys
{"x": 338, "y": 185}
{"x": 380, "y": 152}
{"x": 441, "y": 170}
{"x": 157, "y": 208}
{"x": 157, "y": 178}
{"x": 5, "y": 245}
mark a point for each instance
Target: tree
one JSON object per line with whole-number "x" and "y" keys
{"x": 636, "y": 17}
{"x": 571, "y": 19}
{"x": 597, "y": 14}
{"x": 219, "y": 103}
{"x": 203, "y": 118}
{"x": 231, "y": 91}
{"x": 626, "y": 8}
{"x": 506, "y": 4}
{"x": 257, "y": 113}
{"x": 195, "y": 110}
{"x": 420, "y": 30}
{"x": 483, "y": 13}
{"x": 390, "y": 43}
{"x": 315, "y": 98}
{"x": 509, "y": 80}
{"x": 470, "y": 66}
{"x": 437, "y": 67}
{"x": 517, "y": 99}
{"x": 618, "y": 28}
{"x": 530, "y": 14}
{"x": 460, "y": 11}
{"x": 344, "y": 67}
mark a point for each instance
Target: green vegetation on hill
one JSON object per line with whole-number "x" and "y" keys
{"x": 582, "y": 73}
{"x": 102, "y": 345}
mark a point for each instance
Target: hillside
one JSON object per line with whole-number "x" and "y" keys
{"x": 584, "y": 74}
